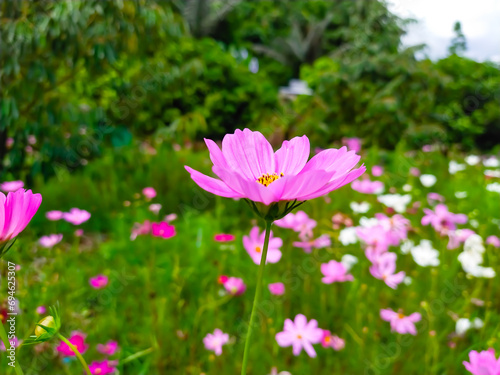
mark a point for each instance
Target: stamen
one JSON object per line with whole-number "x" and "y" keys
{"x": 268, "y": 178}
{"x": 258, "y": 249}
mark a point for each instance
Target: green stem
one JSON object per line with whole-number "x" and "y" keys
{"x": 5, "y": 339}
{"x": 256, "y": 300}
{"x": 77, "y": 353}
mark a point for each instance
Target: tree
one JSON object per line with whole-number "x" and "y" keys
{"x": 458, "y": 43}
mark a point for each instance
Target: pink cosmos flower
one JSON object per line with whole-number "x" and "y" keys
{"x": 31, "y": 139}
{"x": 352, "y": 143}
{"x": 16, "y": 211}
{"x": 222, "y": 279}
{"x": 77, "y": 339}
{"x": 149, "y": 192}
{"x": 458, "y": 236}
{"x": 9, "y": 142}
{"x": 54, "y": 215}
{"x": 376, "y": 239}
{"x": 255, "y": 243}
{"x": 103, "y": 367}
{"x": 298, "y": 222}
{"x": 11, "y": 186}
{"x": 434, "y": 197}
{"x": 163, "y": 229}
{"x": 41, "y": 310}
{"x": 215, "y": 341}
{"x": 368, "y": 187}
{"x": 383, "y": 268}
{"x": 332, "y": 341}
{"x": 483, "y": 363}
{"x": 301, "y": 335}
{"x": 155, "y": 208}
{"x": 377, "y": 171}
{"x": 98, "y": 282}
{"x": 110, "y": 348}
{"x": 493, "y": 240}
{"x": 427, "y": 148}
{"x": 318, "y": 243}
{"x": 78, "y": 232}
{"x": 248, "y": 168}
{"x": 223, "y": 237}
{"x": 334, "y": 271}
{"x": 140, "y": 229}
{"x": 400, "y": 323}
{"x": 50, "y": 241}
{"x": 415, "y": 171}
{"x": 16, "y": 344}
{"x": 278, "y": 289}
{"x": 442, "y": 220}
{"x": 76, "y": 216}
{"x": 235, "y": 286}
{"x": 170, "y": 217}
{"x": 395, "y": 227}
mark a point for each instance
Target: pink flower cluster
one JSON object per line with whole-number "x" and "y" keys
{"x": 161, "y": 229}
{"x": 366, "y": 186}
{"x": 233, "y": 285}
{"x": 483, "y": 363}
{"x": 74, "y": 216}
{"x": 442, "y": 220}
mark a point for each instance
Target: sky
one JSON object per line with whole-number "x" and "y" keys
{"x": 480, "y": 21}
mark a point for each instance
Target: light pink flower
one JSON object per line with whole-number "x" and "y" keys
{"x": 277, "y": 289}
{"x": 377, "y": 171}
{"x": 352, "y": 143}
{"x": 255, "y": 243}
{"x": 54, "y": 215}
{"x": 483, "y": 363}
{"x": 170, "y": 217}
{"x": 76, "y": 216}
{"x": 493, "y": 240}
{"x": 301, "y": 335}
{"x": 215, "y": 341}
{"x": 334, "y": 271}
{"x": 395, "y": 227}
{"x": 163, "y": 229}
{"x": 16, "y": 211}
{"x": 98, "y": 282}
{"x": 41, "y": 310}
{"x": 140, "y": 229}
{"x": 427, "y": 148}
{"x": 235, "y": 286}
{"x": 11, "y": 186}
{"x": 155, "y": 208}
{"x": 458, "y": 236}
{"x": 149, "y": 192}
{"x": 31, "y": 139}
{"x": 16, "y": 343}
{"x": 77, "y": 339}
{"x": 102, "y": 368}
{"x": 9, "y": 142}
{"x": 442, "y": 220}
{"x": 51, "y": 240}
{"x": 332, "y": 341}
{"x": 318, "y": 243}
{"x": 415, "y": 171}
{"x": 384, "y": 268}
{"x": 376, "y": 239}
{"x": 223, "y": 237}
{"x": 400, "y": 323}
{"x": 431, "y": 197}
{"x": 248, "y": 168}
{"x": 79, "y": 232}
{"x": 366, "y": 186}
{"x": 110, "y": 348}
{"x": 298, "y": 222}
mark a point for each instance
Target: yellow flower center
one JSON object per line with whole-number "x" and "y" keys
{"x": 299, "y": 336}
{"x": 267, "y": 178}
{"x": 97, "y": 371}
{"x": 257, "y": 249}
{"x": 400, "y": 316}
{"x": 328, "y": 339}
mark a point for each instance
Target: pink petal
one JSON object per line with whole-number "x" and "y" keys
{"x": 309, "y": 349}
{"x": 212, "y": 185}
{"x": 300, "y": 322}
{"x": 292, "y": 156}
{"x": 284, "y": 339}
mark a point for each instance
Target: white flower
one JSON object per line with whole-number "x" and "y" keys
{"x": 461, "y": 194}
{"x": 425, "y": 255}
{"x": 474, "y": 244}
{"x": 348, "y": 236}
{"x": 407, "y": 280}
{"x": 406, "y": 246}
{"x": 480, "y": 271}
{"x": 472, "y": 159}
{"x": 491, "y": 162}
{"x": 462, "y": 325}
{"x": 395, "y": 201}
{"x": 454, "y": 167}
{"x": 495, "y": 187}
{"x": 407, "y": 188}
{"x": 368, "y": 222}
{"x": 348, "y": 261}
{"x": 474, "y": 223}
{"x": 360, "y": 208}
{"x": 477, "y": 323}
{"x": 492, "y": 173}
{"x": 428, "y": 180}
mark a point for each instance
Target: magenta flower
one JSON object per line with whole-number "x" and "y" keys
{"x": 383, "y": 268}
{"x": 54, "y": 215}
{"x": 248, "y": 168}
{"x": 99, "y": 281}
{"x": 442, "y": 220}
{"x": 215, "y": 341}
{"x": 493, "y": 240}
{"x": 14, "y": 341}
{"x": 400, "y": 323}
{"x": 376, "y": 239}
{"x": 334, "y": 272}
{"x": 16, "y": 211}
{"x": 103, "y": 367}
{"x": 332, "y": 341}
{"x": 77, "y": 339}
{"x": 76, "y": 216}
{"x": 149, "y": 192}
{"x": 223, "y": 237}
{"x": 163, "y": 229}
{"x": 9, "y": 186}
{"x": 50, "y": 241}
{"x": 41, "y": 310}
{"x": 235, "y": 286}
{"x": 110, "y": 348}
{"x": 368, "y": 187}
{"x": 255, "y": 242}
{"x": 377, "y": 171}
{"x": 483, "y": 363}
{"x": 301, "y": 335}
{"x": 278, "y": 289}
{"x": 318, "y": 243}
{"x": 298, "y": 222}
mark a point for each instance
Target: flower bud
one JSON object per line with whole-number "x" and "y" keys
{"x": 48, "y": 321}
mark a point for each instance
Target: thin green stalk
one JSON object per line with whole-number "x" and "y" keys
{"x": 5, "y": 339}
{"x": 78, "y": 355}
{"x": 256, "y": 300}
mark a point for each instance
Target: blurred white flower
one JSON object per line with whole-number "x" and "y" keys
{"x": 472, "y": 257}
{"x": 407, "y": 280}
{"x": 425, "y": 255}
{"x": 461, "y": 194}
{"x": 474, "y": 223}
{"x": 406, "y": 246}
{"x": 462, "y": 325}
{"x": 472, "y": 159}
{"x": 491, "y": 162}
{"x": 474, "y": 244}
{"x": 428, "y": 180}
{"x": 495, "y": 187}
{"x": 407, "y": 188}
{"x": 348, "y": 261}
{"x": 360, "y": 208}
{"x": 348, "y": 236}
{"x": 395, "y": 201}
{"x": 368, "y": 222}
{"x": 454, "y": 167}
{"x": 492, "y": 173}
